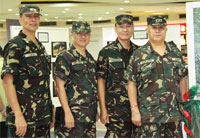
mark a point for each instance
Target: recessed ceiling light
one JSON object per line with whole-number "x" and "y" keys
{"x": 80, "y": 14}
{"x": 46, "y": 19}
{"x": 167, "y": 9}
{"x": 17, "y": 14}
{"x": 67, "y": 9}
{"x": 126, "y": 1}
{"x": 80, "y": 17}
{"x": 63, "y": 11}
{"x": 10, "y": 10}
{"x": 46, "y": 14}
{"x": 157, "y": 13}
{"x": 100, "y": 18}
{"x": 107, "y": 12}
{"x": 69, "y": 20}
{"x": 56, "y": 17}
{"x": 121, "y": 8}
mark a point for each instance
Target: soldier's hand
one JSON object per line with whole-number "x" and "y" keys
{"x": 136, "y": 117}
{"x": 69, "y": 120}
{"x": 104, "y": 117}
{"x": 21, "y": 125}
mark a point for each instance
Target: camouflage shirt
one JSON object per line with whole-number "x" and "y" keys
{"x": 111, "y": 64}
{"x": 157, "y": 78}
{"x": 29, "y": 65}
{"x": 79, "y": 74}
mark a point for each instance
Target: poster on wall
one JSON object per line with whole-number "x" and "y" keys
{"x": 43, "y": 37}
{"x": 193, "y": 29}
{"x": 58, "y": 47}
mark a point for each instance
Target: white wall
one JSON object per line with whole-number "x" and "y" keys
{"x": 173, "y": 34}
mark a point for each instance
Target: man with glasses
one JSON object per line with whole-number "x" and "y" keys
{"x": 75, "y": 76}
{"x": 112, "y": 87}
{"x": 25, "y": 75}
{"x": 156, "y": 83}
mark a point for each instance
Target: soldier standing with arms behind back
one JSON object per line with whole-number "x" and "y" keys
{"x": 112, "y": 87}
{"x": 156, "y": 83}
{"x": 25, "y": 77}
{"x": 75, "y": 75}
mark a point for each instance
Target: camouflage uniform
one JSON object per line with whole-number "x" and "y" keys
{"x": 111, "y": 64}
{"x": 79, "y": 75}
{"x": 157, "y": 78}
{"x": 29, "y": 65}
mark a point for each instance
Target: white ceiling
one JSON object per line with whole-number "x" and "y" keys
{"x": 94, "y": 9}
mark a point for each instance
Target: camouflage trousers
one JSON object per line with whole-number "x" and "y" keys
{"x": 81, "y": 130}
{"x": 42, "y": 131}
{"x": 160, "y": 130}
{"x": 116, "y": 129}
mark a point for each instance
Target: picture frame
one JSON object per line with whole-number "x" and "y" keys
{"x": 109, "y": 42}
{"x": 58, "y": 47}
{"x": 55, "y": 93}
{"x": 53, "y": 68}
{"x": 140, "y": 34}
{"x": 43, "y": 37}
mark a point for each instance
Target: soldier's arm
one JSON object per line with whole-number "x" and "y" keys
{"x": 132, "y": 95}
{"x": 183, "y": 87}
{"x": 21, "y": 125}
{"x": 69, "y": 119}
{"x": 101, "y": 94}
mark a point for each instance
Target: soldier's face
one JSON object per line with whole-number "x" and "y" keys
{"x": 81, "y": 39}
{"x": 157, "y": 33}
{"x": 124, "y": 31}
{"x": 29, "y": 22}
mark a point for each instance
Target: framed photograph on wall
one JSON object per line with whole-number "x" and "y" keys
{"x": 52, "y": 68}
{"x": 58, "y": 47}
{"x": 109, "y": 42}
{"x": 43, "y": 37}
{"x": 140, "y": 34}
{"x": 55, "y": 93}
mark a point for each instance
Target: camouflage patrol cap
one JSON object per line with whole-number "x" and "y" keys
{"x": 156, "y": 21}
{"x": 81, "y": 27}
{"x": 124, "y": 18}
{"x": 29, "y": 9}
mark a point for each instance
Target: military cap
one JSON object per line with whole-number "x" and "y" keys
{"x": 124, "y": 18}
{"x": 81, "y": 27}
{"x": 29, "y": 9}
{"x": 156, "y": 21}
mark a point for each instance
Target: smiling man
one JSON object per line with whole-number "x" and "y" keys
{"x": 25, "y": 75}
{"x": 156, "y": 77}
{"x": 75, "y": 76}
{"x": 112, "y": 88}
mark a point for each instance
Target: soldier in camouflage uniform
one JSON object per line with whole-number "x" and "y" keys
{"x": 25, "y": 75}
{"x": 112, "y": 87}
{"x": 75, "y": 75}
{"x": 156, "y": 82}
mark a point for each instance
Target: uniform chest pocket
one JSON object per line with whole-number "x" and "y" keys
{"x": 33, "y": 64}
{"x": 116, "y": 69}
{"x": 78, "y": 72}
{"x": 148, "y": 71}
{"x": 116, "y": 63}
